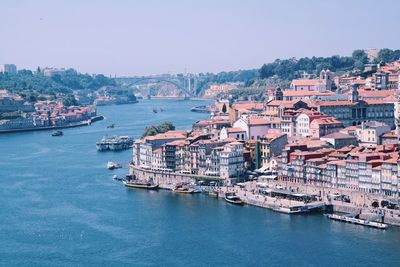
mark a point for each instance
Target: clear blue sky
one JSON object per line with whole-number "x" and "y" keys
{"x": 150, "y": 37}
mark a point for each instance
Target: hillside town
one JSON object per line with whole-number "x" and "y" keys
{"x": 20, "y": 115}
{"x": 330, "y": 134}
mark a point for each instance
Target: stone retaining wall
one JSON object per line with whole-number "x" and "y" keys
{"x": 167, "y": 179}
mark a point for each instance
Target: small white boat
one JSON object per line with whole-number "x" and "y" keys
{"x": 233, "y": 199}
{"x": 112, "y": 165}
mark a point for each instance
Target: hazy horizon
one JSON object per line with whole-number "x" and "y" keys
{"x": 126, "y": 38}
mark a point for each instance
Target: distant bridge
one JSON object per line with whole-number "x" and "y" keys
{"x": 180, "y": 85}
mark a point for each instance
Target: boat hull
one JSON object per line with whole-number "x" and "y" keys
{"x": 141, "y": 186}
{"x": 180, "y": 191}
{"x": 235, "y": 202}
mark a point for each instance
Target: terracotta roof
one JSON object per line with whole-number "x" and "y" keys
{"x": 305, "y": 82}
{"x": 234, "y": 130}
{"x": 167, "y": 135}
{"x": 338, "y": 162}
{"x": 263, "y": 120}
{"x": 390, "y": 135}
{"x": 316, "y": 143}
{"x": 327, "y": 121}
{"x": 339, "y": 135}
{"x": 377, "y": 93}
{"x": 307, "y": 93}
{"x": 336, "y": 103}
{"x": 248, "y": 105}
{"x": 177, "y": 143}
{"x": 273, "y": 135}
{"x": 350, "y": 128}
{"x": 283, "y": 103}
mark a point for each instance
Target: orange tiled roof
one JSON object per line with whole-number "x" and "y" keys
{"x": 305, "y": 82}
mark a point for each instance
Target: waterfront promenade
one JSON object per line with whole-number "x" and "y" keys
{"x": 56, "y": 127}
{"x": 249, "y": 192}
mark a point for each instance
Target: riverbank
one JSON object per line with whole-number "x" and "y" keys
{"x": 249, "y": 193}
{"x": 179, "y": 98}
{"x": 46, "y": 128}
{"x": 76, "y": 209}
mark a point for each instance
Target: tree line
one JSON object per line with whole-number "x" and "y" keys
{"x": 32, "y": 85}
{"x": 292, "y": 68}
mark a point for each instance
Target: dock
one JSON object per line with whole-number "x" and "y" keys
{"x": 351, "y": 218}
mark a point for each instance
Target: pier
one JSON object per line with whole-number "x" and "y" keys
{"x": 351, "y": 218}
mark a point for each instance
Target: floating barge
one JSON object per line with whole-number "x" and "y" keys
{"x": 352, "y": 219}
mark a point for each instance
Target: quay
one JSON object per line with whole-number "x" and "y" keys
{"x": 300, "y": 200}
{"x": 56, "y": 127}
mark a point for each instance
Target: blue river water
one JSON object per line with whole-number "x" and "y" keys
{"x": 60, "y": 207}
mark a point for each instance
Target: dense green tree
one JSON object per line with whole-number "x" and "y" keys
{"x": 156, "y": 129}
{"x": 288, "y": 69}
{"x": 387, "y": 55}
{"x": 24, "y": 82}
{"x": 70, "y": 100}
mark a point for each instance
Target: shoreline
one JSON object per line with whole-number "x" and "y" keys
{"x": 177, "y": 98}
{"x": 47, "y": 128}
{"x": 248, "y": 194}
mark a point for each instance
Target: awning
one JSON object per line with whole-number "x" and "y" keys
{"x": 269, "y": 177}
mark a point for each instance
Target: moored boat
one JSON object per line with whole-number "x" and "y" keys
{"x": 183, "y": 189}
{"x": 111, "y": 125}
{"x": 233, "y": 199}
{"x": 141, "y": 184}
{"x": 57, "y": 133}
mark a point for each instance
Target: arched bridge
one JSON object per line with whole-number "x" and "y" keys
{"x": 180, "y": 85}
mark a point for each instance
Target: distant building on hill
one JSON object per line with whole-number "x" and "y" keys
{"x": 322, "y": 84}
{"x": 8, "y": 68}
{"x": 50, "y": 72}
{"x": 372, "y": 53}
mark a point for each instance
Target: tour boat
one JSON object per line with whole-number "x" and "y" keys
{"x": 233, "y": 199}
{"x": 114, "y": 143}
{"x": 140, "y": 184}
{"x": 57, "y": 133}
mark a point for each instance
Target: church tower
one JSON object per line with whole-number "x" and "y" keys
{"x": 278, "y": 94}
{"x": 325, "y": 76}
{"x": 354, "y": 93}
